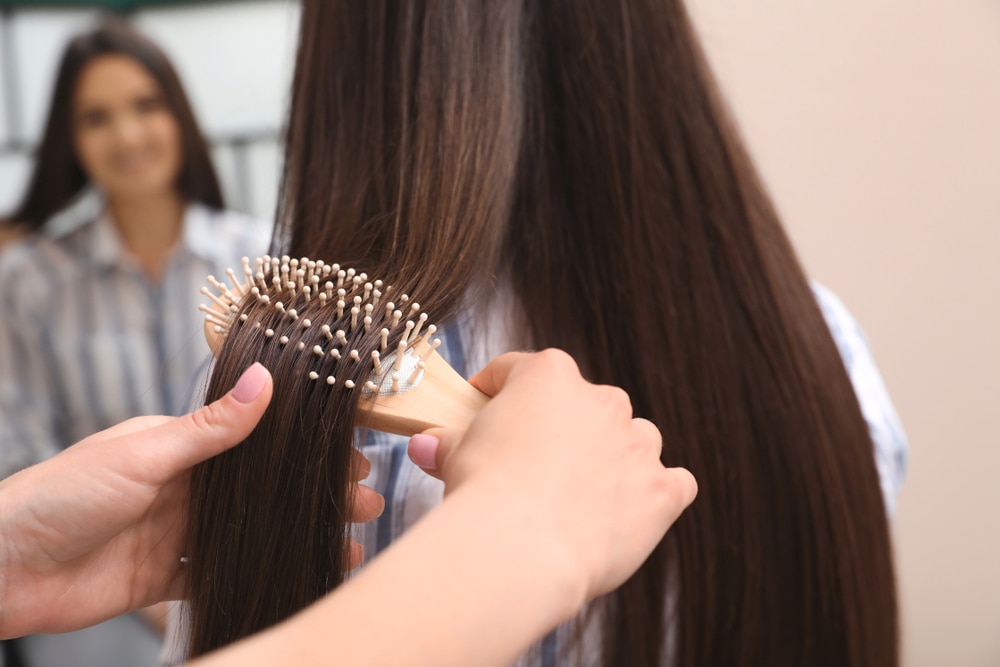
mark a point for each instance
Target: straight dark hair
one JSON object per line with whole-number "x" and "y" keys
{"x": 58, "y": 177}
{"x": 579, "y": 152}
{"x": 276, "y": 507}
{"x": 268, "y": 520}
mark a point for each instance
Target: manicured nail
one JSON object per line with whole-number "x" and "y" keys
{"x": 251, "y": 383}
{"x": 423, "y": 450}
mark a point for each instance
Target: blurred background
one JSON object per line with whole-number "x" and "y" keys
{"x": 235, "y": 60}
{"x": 875, "y": 125}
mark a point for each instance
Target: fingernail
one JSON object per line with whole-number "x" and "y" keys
{"x": 423, "y": 450}
{"x": 251, "y": 383}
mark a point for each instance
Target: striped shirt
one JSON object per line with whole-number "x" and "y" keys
{"x": 87, "y": 340}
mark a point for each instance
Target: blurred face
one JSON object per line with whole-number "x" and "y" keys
{"x": 126, "y": 138}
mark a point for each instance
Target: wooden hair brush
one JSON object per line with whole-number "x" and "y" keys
{"x": 410, "y": 388}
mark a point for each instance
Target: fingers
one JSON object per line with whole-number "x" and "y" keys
{"x": 430, "y": 449}
{"x": 177, "y": 589}
{"x": 647, "y": 437}
{"x": 684, "y": 487}
{"x": 368, "y": 504}
{"x": 181, "y": 443}
{"x": 355, "y": 555}
{"x": 493, "y": 377}
{"x": 679, "y": 483}
{"x": 127, "y": 427}
{"x": 361, "y": 467}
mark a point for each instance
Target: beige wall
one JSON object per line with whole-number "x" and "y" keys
{"x": 876, "y": 125}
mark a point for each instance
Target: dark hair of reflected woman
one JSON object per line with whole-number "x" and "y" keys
{"x": 58, "y": 177}
{"x": 577, "y": 154}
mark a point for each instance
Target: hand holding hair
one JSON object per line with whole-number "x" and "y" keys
{"x": 97, "y": 530}
{"x": 589, "y": 474}
{"x": 555, "y": 494}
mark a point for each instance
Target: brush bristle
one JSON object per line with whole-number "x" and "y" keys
{"x": 324, "y": 307}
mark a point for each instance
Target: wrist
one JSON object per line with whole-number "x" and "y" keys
{"x": 534, "y": 543}
{"x": 5, "y": 555}
{"x": 486, "y": 557}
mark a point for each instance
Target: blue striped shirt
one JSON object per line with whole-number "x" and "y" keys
{"x": 87, "y": 340}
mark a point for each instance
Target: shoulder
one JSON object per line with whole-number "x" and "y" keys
{"x": 225, "y": 235}
{"x": 32, "y": 254}
{"x": 33, "y": 267}
{"x": 846, "y": 332}
{"x": 891, "y": 446}
{"x": 234, "y": 224}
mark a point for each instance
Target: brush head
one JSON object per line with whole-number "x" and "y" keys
{"x": 331, "y": 315}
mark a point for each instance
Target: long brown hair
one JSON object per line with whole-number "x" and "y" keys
{"x": 58, "y": 177}
{"x": 579, "y": 152}
{"x": 268, "y": 519}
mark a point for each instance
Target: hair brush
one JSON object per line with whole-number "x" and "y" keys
{"x": 320, "y": 309}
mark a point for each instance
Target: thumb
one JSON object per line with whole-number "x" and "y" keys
{"x": 430, "y": 450}
{"x": 188, "y": 440}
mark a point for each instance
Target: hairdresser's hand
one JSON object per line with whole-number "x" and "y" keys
{"x": 567, "y": 453}
{"x": 98, "y": 530}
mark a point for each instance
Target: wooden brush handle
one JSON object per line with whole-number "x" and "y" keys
{"x": 443, "y": 398}
{"x": 213, "y": 338}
